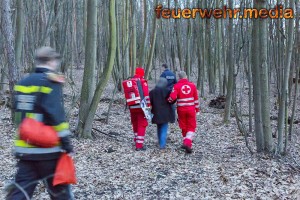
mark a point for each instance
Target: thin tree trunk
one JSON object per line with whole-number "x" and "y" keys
{"x": 153, "y": 41}
{"x": 144, "y": 40}
{"x": 297, "y": 63}
{"x": 126, "y": 37}
{"x": 284, "y": 89}
{"x": 13, "y": 69}
{"x": 188, "y": 51}
{"x": 219, "y": 55}
{"x": 200, "y": 65}
{"x": 230, "y": 72}
{"x": 88, "y": 83}
{"x": 19, "y": 32}
{"x": 178, "y": 37}
{"x": 134, "y": 35}
{"x": 256, "y": 83}
{"x": 225, "y": 39}
{"x": 106, "y": 72}
{"x": 84, "y": 22}
{"x": 264, "y": 83}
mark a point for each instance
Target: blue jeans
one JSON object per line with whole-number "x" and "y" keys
{"x": 162, "y": 132}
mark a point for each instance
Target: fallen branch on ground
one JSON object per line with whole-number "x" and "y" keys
{"x": 107, "y": 134}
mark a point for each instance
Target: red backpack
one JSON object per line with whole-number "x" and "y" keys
{"x": 133, "y": 91}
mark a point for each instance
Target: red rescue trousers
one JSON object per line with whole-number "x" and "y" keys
{"x": 187, "y": 123}
{"x": 139, "y": 124}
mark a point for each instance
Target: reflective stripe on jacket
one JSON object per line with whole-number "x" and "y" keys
{"x": 186, "y": 94}
{"x": 22, "y": 147}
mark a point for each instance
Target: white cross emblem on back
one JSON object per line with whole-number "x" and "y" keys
{"x": 186, "y": 89}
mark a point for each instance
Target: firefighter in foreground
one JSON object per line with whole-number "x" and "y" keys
{"x": 186, "y": 94}
{"x": 136, "y": 90}
{"x": 39, "y": 96}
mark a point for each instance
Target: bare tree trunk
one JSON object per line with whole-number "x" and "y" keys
{"x": 219, "y": 55}
{"x": 13, "y": 68}
{"x": 230, "y": 72}
{"x": 264, "y": 82}
{"x": 19, "y": 32}
{"x": 297, "y": 63}
{"x": 84, "y": 22}
{"x": 188, "y": 50}
{"x": 144, "y": 40}
{"x": 201, "y": 66}
{"x": 178, "y": 38}
{"x": 209, "y": 52}
{"x": 256, "y": 83}
{"x": 284, "y": 89}
{"x": 74, "y": 41}
{"x": 106, "y": 72}
{"x": 153, "y": 40}
{"x": 134, "y": 35}
{"x": 225, "y": 42}
{"x": 126, "y": 39}
{"x": 88, "y": 83}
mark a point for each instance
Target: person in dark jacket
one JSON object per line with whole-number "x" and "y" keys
{"x": 162, "y": 110}
{"x": 169, "y": 75}
{"x": 39, "y": 96}
{"x": 171, "y": 78}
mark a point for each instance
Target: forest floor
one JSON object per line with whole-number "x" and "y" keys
{"x": 221, "y": 167}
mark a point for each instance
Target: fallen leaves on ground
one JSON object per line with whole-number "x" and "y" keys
{"x": 220, "y": 167}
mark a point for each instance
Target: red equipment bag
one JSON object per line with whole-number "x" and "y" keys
{"x": 65, "y": 171}
{"x": 146, "y": 91}
{"x": 37, "y": 133}
{"x": 131, "y": 91}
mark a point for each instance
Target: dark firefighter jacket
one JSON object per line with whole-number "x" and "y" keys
{"x": 171, "y": 77}
{"x": 38, "y": 97}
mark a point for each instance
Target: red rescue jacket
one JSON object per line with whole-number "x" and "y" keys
{"x": 186, "y": 94}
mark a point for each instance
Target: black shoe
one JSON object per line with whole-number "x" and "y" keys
{"x": 141, "y": 149}
{"x": 187, "y": 149}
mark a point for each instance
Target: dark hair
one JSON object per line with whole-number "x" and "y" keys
{"x": 165, "y": 66}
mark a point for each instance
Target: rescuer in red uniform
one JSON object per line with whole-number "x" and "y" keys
{"x": 138, "y": 120}
{"x": 186, "y": 94}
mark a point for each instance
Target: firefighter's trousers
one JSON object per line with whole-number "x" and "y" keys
{"x": 28, "y": 176}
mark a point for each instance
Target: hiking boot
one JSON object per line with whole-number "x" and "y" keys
{"x": 141, "y": 149}
{"x": 187, "y": 149}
